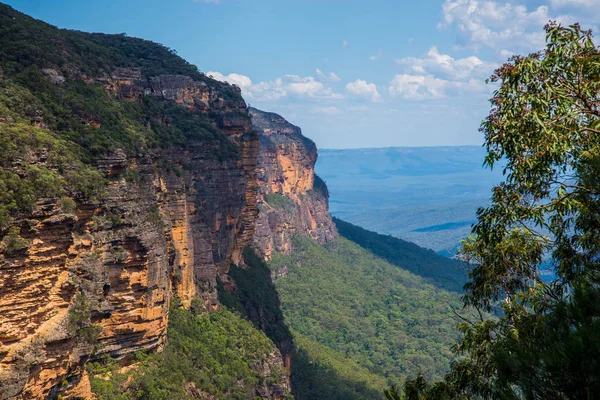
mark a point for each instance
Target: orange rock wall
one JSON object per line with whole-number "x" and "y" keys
{"x": 113, "y": 266}
{"x": 286, "y": 168}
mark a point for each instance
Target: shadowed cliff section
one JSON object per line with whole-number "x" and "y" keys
{"x": 315, "y": 371}
{"x": 437, "y": 270}
{"x": 255, "y": 297}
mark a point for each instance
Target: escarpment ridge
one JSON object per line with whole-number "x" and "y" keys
{"x": 128, "y": 178}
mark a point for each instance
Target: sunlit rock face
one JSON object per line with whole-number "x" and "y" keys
{"x": 99, "y": 279}
{"x": 292, "y": 200}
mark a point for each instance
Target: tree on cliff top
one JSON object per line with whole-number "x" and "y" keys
{"x": 545, "y": 124}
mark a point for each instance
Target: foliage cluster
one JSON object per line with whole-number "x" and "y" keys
{"x": 79, "y": 324}
{"x": 13, "y": 242}
{"x": 106, "y": 220}
{"x": 67, "y": 205}
{"x": 61, "y": 172}
{"x": 279, "y": 201}
{"x": 321, "y": 373}
{"x": 217, "y": 353}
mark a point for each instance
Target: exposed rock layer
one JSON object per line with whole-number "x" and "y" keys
{"x": 110, "y": 268}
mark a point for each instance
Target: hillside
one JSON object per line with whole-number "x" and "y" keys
{"x": 351, "y": 322}
{"x": 435, "y": 269}
{"x": 347, "y": 299}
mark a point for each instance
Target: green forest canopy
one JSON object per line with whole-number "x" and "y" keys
{"x": 391, "y": 321}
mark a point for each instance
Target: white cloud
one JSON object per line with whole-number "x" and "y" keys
{"x": 496, "y": 25}
{"x": 241, "y": 80}
{"x": 377, "y": 55}
{"x": 259, "y": 91}
{"x": 509, "y": 26}
{"x": 308, "y": 86}
{"x": 331, "y": 77}
{"x": 417, "y": 87}
{"x": 438, "y": 75}
{"x": 426, "y": 87}
{"x": 286, "y": 86}
{"x": 327, "y": 110}
{"x": 448, "y": 67}
{"x": 360, "y": 88}
{"x": 344, "y": 43}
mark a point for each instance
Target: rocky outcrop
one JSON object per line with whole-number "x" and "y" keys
{"x": 276, "y": 384}
{"x": 99, "y": 279}
{"x": 94, "y": 280}
{"x": 292, "y": 199}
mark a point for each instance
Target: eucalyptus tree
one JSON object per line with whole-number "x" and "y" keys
{"x": 544, "y": 130}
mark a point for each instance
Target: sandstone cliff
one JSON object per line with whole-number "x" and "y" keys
{"x": 81, "y": 277}
{"x": 292, "y": 199}
{"x": 167, "y": 223}
{"x": 187, "y": 185}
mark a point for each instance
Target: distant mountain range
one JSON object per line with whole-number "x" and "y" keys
{"x": 427, "y": 195}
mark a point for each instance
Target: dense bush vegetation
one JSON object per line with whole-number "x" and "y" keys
{"x": 321, "y": 373}
{"x": 341, "y": 296}
{"x": 280, "y": 201}
{"x": 25, "y": 41}
{"x": 437, "y": 270}
{"x": 13, "y": 242}
{"x": 51, "y": 134}
{"x": 62, "y": 172}
{"x": 215, "y": 353}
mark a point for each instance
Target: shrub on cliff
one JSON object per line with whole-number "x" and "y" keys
{"x": 79, "y": 321}
{"x": 279, "y": 201}
{"x": 13, "y": 242}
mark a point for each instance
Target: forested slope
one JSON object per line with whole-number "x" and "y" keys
{"x": 391, "y": 321}
{"x": 437, "y": 270}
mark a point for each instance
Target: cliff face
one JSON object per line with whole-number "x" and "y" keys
{"x": 292, "y": 199}
{"x": 179, "y": 176}
{"x": 99, "y": 279}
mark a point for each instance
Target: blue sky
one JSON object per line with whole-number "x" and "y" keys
{"x": 350, "y": 73}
